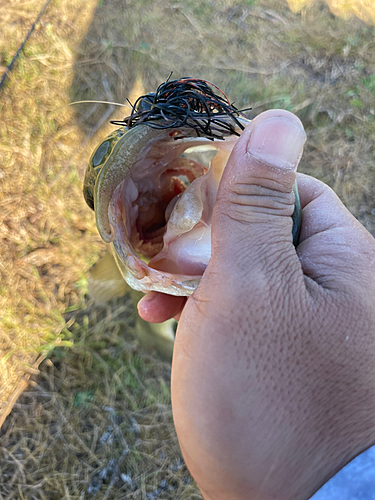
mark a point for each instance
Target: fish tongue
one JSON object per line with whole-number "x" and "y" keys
{"x": 187, "y": 241}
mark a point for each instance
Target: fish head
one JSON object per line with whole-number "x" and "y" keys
{"x": 153, "y": 201}
{"x": 153, "y": 183}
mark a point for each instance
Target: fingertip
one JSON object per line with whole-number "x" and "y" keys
{"x": 157, "y": 307}
{"x": 272, "y": 113}
{"x": 275, "y": 138}
{"x": 145, "y": 306}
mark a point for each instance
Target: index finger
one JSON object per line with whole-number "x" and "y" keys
{"x": 156, "y": 307}
{"x": 321, "y": 208}
{"x": 333, "y": 246}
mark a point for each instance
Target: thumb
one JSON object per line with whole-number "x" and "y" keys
{"x": 252, "y": 220}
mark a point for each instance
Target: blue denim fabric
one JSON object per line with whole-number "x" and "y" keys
{"x": 356, "y": 481}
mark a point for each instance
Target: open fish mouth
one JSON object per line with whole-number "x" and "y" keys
{"x": 154, "y": 181}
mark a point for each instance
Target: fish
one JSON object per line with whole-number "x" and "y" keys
{"x": 153, "y": 183}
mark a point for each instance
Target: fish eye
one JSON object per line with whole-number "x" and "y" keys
{"x": 100, "y": 153}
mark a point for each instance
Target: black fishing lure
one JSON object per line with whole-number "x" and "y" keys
{"x": 187, "y": 102}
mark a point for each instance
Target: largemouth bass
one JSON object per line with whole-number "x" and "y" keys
{"x": 153, "y": 183}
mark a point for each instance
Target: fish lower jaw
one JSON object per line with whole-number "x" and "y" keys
{"x": 142, "y": 278}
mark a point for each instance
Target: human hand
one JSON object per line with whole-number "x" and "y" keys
{"x": 273, "y": 376}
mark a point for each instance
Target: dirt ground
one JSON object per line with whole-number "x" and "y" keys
{"x": 94, "y": 420}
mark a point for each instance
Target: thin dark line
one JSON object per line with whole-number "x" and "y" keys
{"x": 10, "y": 67}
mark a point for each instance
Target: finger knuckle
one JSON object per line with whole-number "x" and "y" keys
{"x": 248, "y": 202}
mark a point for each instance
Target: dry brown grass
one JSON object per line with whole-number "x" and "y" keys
{"x": 96, "y": 422}
{"x": 364, "y": 9}
{"x": 42, "y": 216}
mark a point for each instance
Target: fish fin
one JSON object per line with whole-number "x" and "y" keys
{"x": 157, "y": 337}
{"x": 105, "y": 281}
